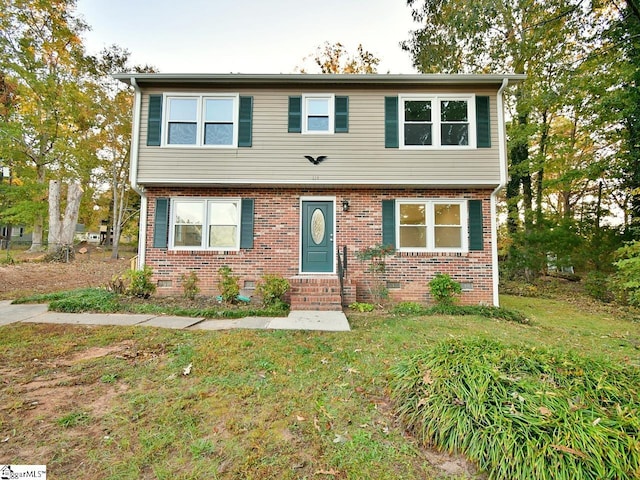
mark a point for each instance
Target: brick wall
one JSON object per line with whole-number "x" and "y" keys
{"x": 277, "y": 243}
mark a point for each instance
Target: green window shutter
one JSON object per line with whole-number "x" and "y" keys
{"x": 295, "y": 114}
{"x": 246, "y": 223}
{"x": 246, "y": 122}
{"x": 391, "y": 139}
{"x": 154, "y": 121}
{"x": 483, "y": 123}
{"x": 389, "y": 223}
{"x": 342, "y": 114}
{"x": 161, "y": 223}
{"x": 475, "y": 225}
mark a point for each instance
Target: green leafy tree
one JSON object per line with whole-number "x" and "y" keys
{"x": 620, "y": 56}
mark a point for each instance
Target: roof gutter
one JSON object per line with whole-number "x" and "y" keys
{"x": 133, "y": 171}
{"x": 502, "y": 152}
{"x": 158, "y": 79}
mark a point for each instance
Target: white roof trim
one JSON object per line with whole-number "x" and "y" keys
{"x": 341, "y": 79}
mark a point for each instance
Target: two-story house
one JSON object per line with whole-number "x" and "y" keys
{"x": 282, "y": 174}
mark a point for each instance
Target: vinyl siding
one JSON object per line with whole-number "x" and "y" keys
{"x": 357, "y": 157}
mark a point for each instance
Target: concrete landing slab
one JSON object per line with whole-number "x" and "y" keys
{"x": 326, "y": 321}
{"x": 124, "y": 320}
{"x": 170, "y": 322}
{"x": 19, "y": 313}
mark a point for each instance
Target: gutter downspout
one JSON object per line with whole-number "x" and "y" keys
{"x": 133, "y": 174}
{"x": 502, "y": 152}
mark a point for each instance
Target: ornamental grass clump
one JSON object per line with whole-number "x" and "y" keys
{"x": 522, "y": 412}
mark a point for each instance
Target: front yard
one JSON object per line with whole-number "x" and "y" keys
{"x": 115, "y": 403}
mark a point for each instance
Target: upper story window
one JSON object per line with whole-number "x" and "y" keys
{"x": 202, "y": 120}
{"x": 318, "y": 114}
{"x": 437, "y": 121}
{"x": 433, "y": 225}
{"x": 183, "y": 121}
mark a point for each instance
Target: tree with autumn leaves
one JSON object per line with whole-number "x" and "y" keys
{"x": 63, "y": 119}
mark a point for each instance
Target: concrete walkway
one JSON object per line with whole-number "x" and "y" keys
{"x": 330, "y": 321}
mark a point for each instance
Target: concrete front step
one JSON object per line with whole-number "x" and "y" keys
{"x": 315, "y": 292}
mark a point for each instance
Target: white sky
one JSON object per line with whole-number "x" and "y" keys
{"x": 246, "y": 36}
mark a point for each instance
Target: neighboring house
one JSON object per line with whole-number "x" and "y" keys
{"x": 19, "y": 234}
{"x": 278, "y": 173}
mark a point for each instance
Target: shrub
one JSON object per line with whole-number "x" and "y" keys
{"x": 376, "y": 256}
{"x": 523, "y": 412}
{"x": 272, "y": 289}
{"x": 190, "y": 285}
{"x": 228, "y": 285}
{"x": 117, "y": 285}
{"x": 443, "y": 289}
{"x": 597, "y": 286}
{"x": 139, "y": 283}
{"x": 627, "y": 277}
{"x": 409, "y": 308}
{"x": 361, "y": 307}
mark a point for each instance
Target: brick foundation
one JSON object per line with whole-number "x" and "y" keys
{"x": 277, "y": 244}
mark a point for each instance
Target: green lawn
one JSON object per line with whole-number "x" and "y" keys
{"x": 113, "y": 403}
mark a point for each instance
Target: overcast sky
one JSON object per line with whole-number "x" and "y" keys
{"x": 246, "y": 36}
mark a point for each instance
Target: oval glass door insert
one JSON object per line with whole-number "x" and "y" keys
{"x": 317, "y": 226}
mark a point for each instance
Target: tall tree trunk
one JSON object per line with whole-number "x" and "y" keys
{"x": 544, "y": 137}
{"x": 519, "y": 176}
{"x": 70, "y": 219}
{"x": 118, "y": 214}
{"x": 62, "y": 229}
{"x": 54, "y": 241}
{"x": 527, "y": 197}
{"x": 567, "y": 210}
{"x": 518, "y": 168}
{"x": 38, "y": 224}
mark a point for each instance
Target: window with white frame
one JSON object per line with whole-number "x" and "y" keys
{"x": 211, "y": 224}
{"x": 437, "y": 121}
{"x": 202, "y": 120}
{"x": 432, "y": 225}
{"x": 182, "y": 121}
{"x": 318, "y": 114}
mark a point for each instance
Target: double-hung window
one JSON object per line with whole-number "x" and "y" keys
{"x": 202, "y": 120}
{"x": 454, "y": 122}
{"x": 431, "y": 225}
{"x": 182, "y": 121}
{"x": 219, "y": 114}
{"x": 418, "y": 122}
{"x": 318, "y": 114}
{"x": 209, "y": 224}
{"x": 437, "y": 121}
